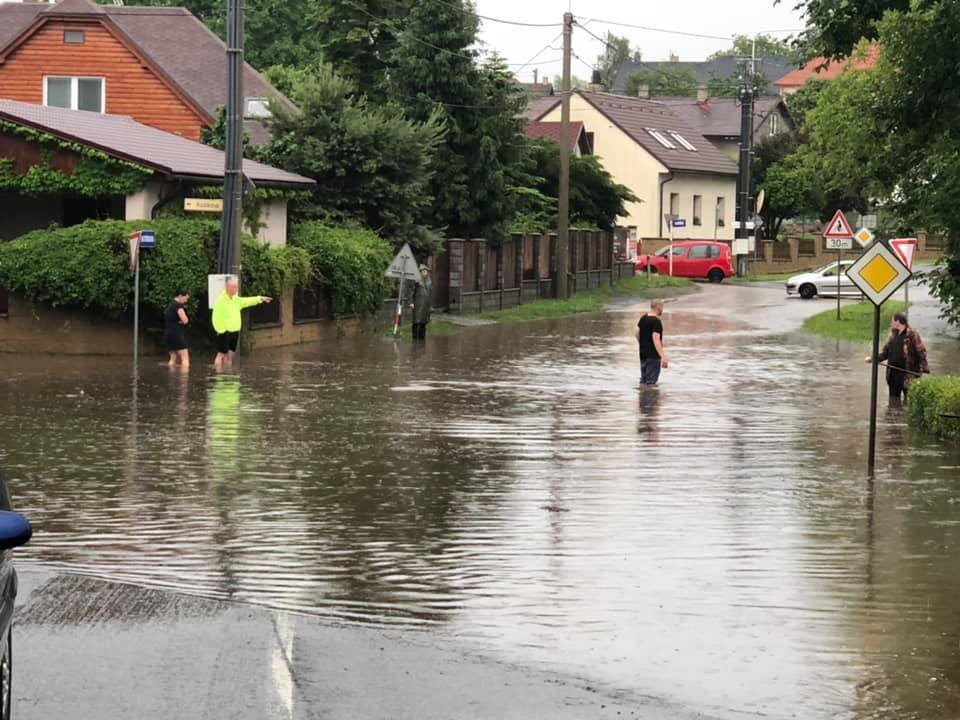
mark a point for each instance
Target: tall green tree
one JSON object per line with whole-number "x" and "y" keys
{"x": 596, "y": 199}
{"x": 666, "y": 82}
{"x": 434, "y": 74}
{"x": 616, "y": 52}
{"x": 372, "y": 165}
{"x": 764, "y": 45}
{"x": 278, "y": 32}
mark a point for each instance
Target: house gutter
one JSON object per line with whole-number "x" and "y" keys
{"x": 666, "y": 178}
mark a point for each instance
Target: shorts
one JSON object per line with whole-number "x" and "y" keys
{"x": 175, "y": 341}
{"x": 228, "y": 342}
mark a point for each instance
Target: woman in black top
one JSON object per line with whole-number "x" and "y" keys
{"x": 174, "y": 336}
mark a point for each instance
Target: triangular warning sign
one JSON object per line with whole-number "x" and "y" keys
{"x": 905, "y": 248}
{"x": 404, "y": 265}
{"x": 838, "y": 227}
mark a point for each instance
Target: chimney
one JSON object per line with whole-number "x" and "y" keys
{"x": 674, "y": 58}
{"x": 702, "y": 93}
{"x": 546, "y": 79}
{"x": 535, "y": 74}
{"x": 643, "y": 91}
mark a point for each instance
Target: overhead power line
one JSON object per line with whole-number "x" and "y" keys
{"x": 502, "y": 21}
{"x": 653, "y": 29}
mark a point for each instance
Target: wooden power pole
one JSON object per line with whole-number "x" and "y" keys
{"x": 563, "y": 222}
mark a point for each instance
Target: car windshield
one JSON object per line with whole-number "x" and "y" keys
{"x": 664, "y": 252}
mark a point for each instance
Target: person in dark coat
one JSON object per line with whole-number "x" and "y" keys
{"x": 905, "y": 356}
{"x": 421, "y": 301}
{"x": 175, "y": 321}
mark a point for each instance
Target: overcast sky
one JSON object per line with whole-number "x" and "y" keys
{"x": 721, "y": 18}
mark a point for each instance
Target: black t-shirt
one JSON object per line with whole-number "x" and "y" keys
{"x": 171, "y": 319}
{"x": 649, "y": 324}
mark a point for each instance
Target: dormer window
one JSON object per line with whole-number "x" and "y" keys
{"x": 74, "y": 37}
{"x": 256, "y": 108}
{"x": 74, "y": 93}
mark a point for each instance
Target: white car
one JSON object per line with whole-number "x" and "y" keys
{"x": 823, "y": 282}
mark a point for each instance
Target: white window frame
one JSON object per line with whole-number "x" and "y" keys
{"x": 261, "y": 100}
{"x": 683, "y": 141}
{"x": 660, "y": 138}
{"x": 774, "y": 123}
{"x": 75, "y": 89}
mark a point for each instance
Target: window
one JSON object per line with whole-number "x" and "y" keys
{"x": 697, "y": 209}
{"x": 74, "y": 37}
{"x": 257, "y": 108}
{"x": 699, "y": 252}
{"x": 714, "y": 251}
{"x": 683, "y": 141}
{"x": 675, "y": 204}
{"x": 721, "y": 212}
{"x": 74, "y": 93}
{"x": 590, "y": 144}
{"x": 660, "y": 138}
{"x": 774, "y": 123}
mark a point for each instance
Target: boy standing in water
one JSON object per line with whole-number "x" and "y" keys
{"x": 175, "y": 321}
{"x": 649, "y": 335}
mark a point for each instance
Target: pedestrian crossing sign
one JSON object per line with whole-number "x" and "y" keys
{"x": 879, "y": 273}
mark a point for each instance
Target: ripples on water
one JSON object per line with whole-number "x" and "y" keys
{"x": 713, "y": 540}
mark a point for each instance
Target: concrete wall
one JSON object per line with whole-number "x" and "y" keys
{"x": 273, "y": 215}
{"x": 139, "y": 206}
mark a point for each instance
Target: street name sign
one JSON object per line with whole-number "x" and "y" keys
{"x": 864, "y": 236}
{"x": 839, "y": 243}
{"x": 210, "y": 205}
{"x": 838, "y": 227}
{"x": 879, "y": 273}
{"x": 905, "y": 248}
{"x": 679, "y": 223}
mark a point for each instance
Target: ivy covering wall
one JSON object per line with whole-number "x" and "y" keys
{"x": 96, "y": 174}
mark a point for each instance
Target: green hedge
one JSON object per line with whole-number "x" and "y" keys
{"x": 929, "y": 399}
{"x": 87, "y": 266}
{"x": 352, "y": 260}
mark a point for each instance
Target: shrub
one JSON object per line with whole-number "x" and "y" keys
{"x": 87, "y": 266}
{"x": 930, "y": 399}
{"x": 350, "y": 259}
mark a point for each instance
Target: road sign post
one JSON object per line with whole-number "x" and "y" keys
{"x": 839, "y": 237}
{"x": 138, "y": 240}
{"x": 403, "y": 267}
{"x": 879, "y": 273}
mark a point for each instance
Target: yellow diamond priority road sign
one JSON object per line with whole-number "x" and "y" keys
{"x": 879, "y": 273}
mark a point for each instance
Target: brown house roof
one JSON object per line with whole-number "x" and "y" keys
{"x": 178, "y": 45}
{"x": 820, "y": 68}
{"x": 718, "y": 117}
{"x": 538, "y": 107}
{"x": 577, "y": 136}
{"x": 124, "y": 138}
{"x": 638, "y": 116}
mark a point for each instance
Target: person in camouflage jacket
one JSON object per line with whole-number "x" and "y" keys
{"x": 905, "y": 356}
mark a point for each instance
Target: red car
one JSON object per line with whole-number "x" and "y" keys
{"x": 693, "y": 259}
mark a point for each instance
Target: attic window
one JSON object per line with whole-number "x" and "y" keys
{"x": 661, "y": 138}
{"x": 683, "y": 141}
{"x": 74, "y": 37}
{"x": 256, "y": 108}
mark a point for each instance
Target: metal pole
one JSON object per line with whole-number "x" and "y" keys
{"x": 670, "y": 273}
{"x": 839, "y": 260}
{"x": 874, "y": 379}
{"x": 136, "y": 308}
{"x": 563, "y": 223}
{"x": 231, "y": 224}
{"x": 746, "y": 151}
{"x": 906, "y": 299}
{"x": 396, "y": 322}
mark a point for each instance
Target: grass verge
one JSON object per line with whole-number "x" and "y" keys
{"x": 769, "y": 277}
{"x": 592, "y": 300}
{"x": 856, "y": 322}
{"x": 931, "y": 399}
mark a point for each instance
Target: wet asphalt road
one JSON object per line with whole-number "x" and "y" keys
{"x": 499, "y": 525}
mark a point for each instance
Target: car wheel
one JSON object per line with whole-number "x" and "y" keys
{"x": 808, "y": 291}
{"x": 715, "y": 276}
{"x": 6, "y": 677}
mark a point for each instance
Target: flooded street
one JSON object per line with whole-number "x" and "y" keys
{"x": 713, "y": 543}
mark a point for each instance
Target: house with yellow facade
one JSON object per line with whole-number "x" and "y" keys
{"x": 667, "y": 164}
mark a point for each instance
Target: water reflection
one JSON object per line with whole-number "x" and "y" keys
{"x": 713, "y": 541}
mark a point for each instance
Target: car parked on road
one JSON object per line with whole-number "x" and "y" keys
{"x": 14, "y": 531}
{"x": 823, "y": 281}
{"x": 700, "y": 259}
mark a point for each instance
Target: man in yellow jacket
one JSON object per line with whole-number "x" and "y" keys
{"x": 227, "y": 321}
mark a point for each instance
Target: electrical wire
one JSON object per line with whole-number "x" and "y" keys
{"x": 518, "y": 23}
{"x": 548, "y": 46}
{"x": 658, "y": 30}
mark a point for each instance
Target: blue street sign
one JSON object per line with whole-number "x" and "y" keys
{"x": 679, "y": 222}
{"x": 148, "y": 239}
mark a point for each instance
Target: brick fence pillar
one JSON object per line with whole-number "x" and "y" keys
{"x": 481, "y": 268}
{"x": 455, "y": 250}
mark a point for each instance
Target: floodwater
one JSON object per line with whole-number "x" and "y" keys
{"x": 714, "y": 543}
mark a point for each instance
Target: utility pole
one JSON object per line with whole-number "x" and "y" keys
{"x": 563, "y": 224}
{"x": 230, "y": 226}
{"x": 746, "y": 96}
